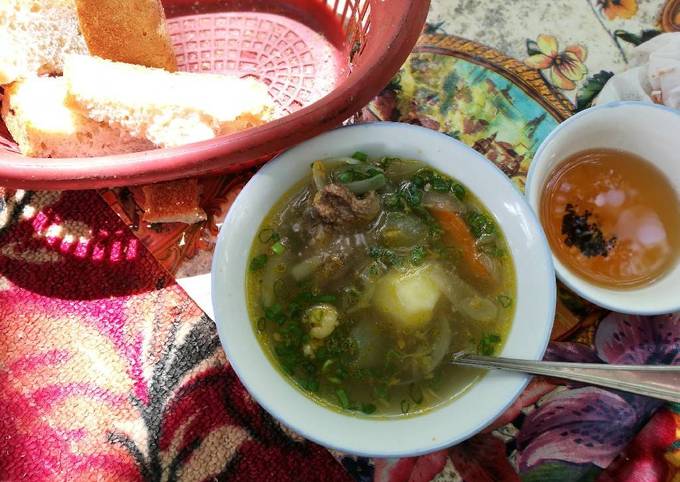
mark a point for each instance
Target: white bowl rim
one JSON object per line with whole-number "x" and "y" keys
{"x": 578, "y": 285}
{"x": 520, "y": 380}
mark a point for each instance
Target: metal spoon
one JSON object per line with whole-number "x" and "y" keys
{"x": 658, "y": 381}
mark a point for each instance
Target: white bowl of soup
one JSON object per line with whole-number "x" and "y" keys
{"x": 605, "y": 185}
{"x": 351, "y": 267}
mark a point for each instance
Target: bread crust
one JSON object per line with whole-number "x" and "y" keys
{"x": 131, "y": 31}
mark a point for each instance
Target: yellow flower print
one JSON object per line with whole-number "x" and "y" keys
{"x": 566, "y": 67}
{"x": 618, "y": 8}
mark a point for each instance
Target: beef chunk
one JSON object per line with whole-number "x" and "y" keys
{"x": 337, "y": 206}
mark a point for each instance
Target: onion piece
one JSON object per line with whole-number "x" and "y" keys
{"x": 445, "y": 202}
{"x": 304, "y": 269}
{"x": 319, "y": 175}
{"x": 479, "y": 309}
{"x": 453, "y": 287}
{"x": 365, "y": 185}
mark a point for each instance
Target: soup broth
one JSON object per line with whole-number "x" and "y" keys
{"x": 368, "y": 274}
{"x": 612, "y": 218}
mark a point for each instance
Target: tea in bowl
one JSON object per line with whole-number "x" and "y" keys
{"x": 605, "y": 186}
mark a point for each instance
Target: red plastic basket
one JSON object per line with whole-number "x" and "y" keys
{"x": 301, "y": 48}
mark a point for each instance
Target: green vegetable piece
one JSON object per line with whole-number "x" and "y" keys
{"x": 441, "y": 185}
{"x": 360, "y": 156}
{"x": 368, "y": 408}
{"x": 458, "y": 190}
{"x": 342, "y": 398}
{"x": 487, "y": 345}
{"x": 418, "y": 254}
{"x": 275, "y": 313}
{"x": 479, "y": 224}
{"x": 346, "y": 176}
{"x": 405, "y": 406}
{"x": 505, "y": 301}
{"x": 413, "y": 195}
{"x": 268, "y": 235}
{"x": 258, "y": 262}
{"x": 278, "y": 248}
{"x": 392, "y": 201}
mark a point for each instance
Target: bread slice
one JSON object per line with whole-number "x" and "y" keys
{"x": 35, "y": 35}
{"x": 35, "y": 114}
{"x": 130, "y": 31}
{"x": 169, "y": 109}
{"x": 170, "y": 202}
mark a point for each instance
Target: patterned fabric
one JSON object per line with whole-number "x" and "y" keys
{"x": 108, "y": 371}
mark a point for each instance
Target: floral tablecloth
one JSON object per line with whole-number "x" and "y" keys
{"x": 109, "y": 370}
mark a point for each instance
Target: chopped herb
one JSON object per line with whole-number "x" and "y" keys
{"x": 487, "y": 345}
{"x": 280, "y": 288}
{"x": 418, "y": 255}
{"x": 505, "y": 301}
{"x": 311, "y": 384}
{"x": 405, "y": 406}
{"x": 587, "y": 237}
{"x": 479, "y": 224}
{"x": 261, "y": 323}
{"x": 325, "y": 298}
{"x": 423, "y": 177}
{"x": 441, "y": 185}
{"x": 360, "y": 156}
{"x": 275, "y": 313}
{"x": 387, "y": 256}
{"x": 458, "y": 190}
{"x": 268, "y": 235}
{"x": 392, "y": 201}
{"x": 258, "y": 262}
{"x": 342, "y": 398}
{"x": 368, "y": 408}
{"x": 412, "y": 194}
{"x": 278, "y": 248}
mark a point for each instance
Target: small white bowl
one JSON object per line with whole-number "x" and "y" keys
{"x": 648, "y": 130}
{"x": 387, "y": 437}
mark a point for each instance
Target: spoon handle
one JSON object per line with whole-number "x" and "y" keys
{"x": 658, "y": 381}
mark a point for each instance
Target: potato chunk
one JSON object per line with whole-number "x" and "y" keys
{"x": 407, "y": 299}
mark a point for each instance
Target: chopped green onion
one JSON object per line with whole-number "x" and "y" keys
{"x": 368, "y": 408}
{"x": 441, "y": 185}
{"x": 360, "y": 156}
{"x": 458, "y": 190}
{"x": 342, "y": 398}
{"x": 413, "y": 195}
{"x": 268, "y": 235}
{"x": 487, "y": 345}
{"x": 505, "y": 301}
{"x": 479, "y": 224}
{"x": 345, "y": 177}
{"x": 258, "y": 262}
{"x": 326, "y": 365}
{"x": 405, "y": 406}
{"x": 418, "y": 255}
{"x": 278, "y": 247}
{"x": 325, "y": 298}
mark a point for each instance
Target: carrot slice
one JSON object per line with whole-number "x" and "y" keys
{"x": 457, "y": 232}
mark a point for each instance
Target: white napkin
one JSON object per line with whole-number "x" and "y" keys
{"x": 653, "y": 74}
